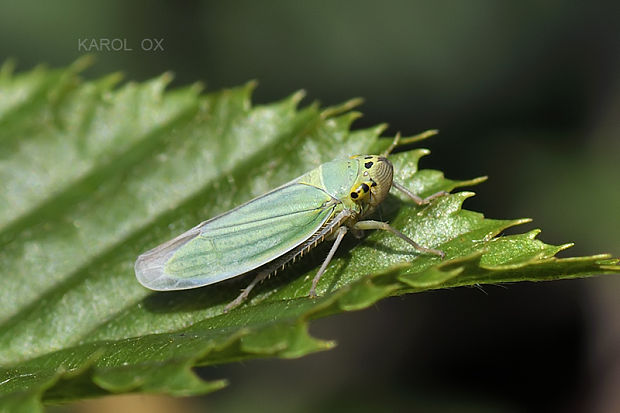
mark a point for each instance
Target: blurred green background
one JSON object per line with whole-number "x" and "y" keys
{"x": 525, "y": 92}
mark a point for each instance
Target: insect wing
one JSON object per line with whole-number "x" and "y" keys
{"x": 237, "y": 241}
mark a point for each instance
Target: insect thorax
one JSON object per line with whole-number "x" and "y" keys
{"x": 360, "y": 182}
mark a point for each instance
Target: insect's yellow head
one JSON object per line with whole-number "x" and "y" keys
{"x": 373, "y": 182}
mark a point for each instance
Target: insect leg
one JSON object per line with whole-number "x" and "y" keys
{"x": 339, "y": 235}
{"x": 418, "y": 200}
{"x": 385, "y": 227}
{"x": 244, "y": 294}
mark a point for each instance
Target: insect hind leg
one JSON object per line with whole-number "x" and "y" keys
{"x": 246, "y": 291}
{"x": 364, "y": 225}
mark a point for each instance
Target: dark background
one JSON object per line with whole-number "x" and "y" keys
{"x": 525, "y": 92}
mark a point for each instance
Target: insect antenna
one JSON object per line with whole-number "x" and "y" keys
{"x": 398, "y": 141}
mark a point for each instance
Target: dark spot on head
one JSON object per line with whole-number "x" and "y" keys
{"x": 368, "y": 157}
{"x": 354, "y": 195}
{"x": 368, "y": 165}
{"x": 365, "y": 187}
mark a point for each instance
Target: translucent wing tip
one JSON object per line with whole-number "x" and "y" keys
{"x": 150, "y": 266}
{"x": 150, "y": 272}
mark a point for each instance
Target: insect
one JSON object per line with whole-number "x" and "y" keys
{"x": 280, "y": 226}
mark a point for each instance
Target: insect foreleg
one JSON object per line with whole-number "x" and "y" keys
{"x": 385, "y": 227}
{"x": 418, "y": 200}
{"x": 339, "y": 235}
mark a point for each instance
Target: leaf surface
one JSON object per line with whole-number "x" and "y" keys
{"x": 92, "y": 173}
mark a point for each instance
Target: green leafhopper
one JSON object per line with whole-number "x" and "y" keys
{"x": 272, "y": 230}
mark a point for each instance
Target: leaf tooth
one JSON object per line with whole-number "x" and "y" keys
{"x": 342, "y": 108}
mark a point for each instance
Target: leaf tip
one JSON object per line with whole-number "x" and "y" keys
{"x": 423, "y": 152}
{"x": 380, "y": 128}
{"x": 342, "y": 108}
{"x": 251, "y": 84}
{"x": 419, "y": 137}
{"x": 197, "y": 87}
{"x": 167, "y": 77}
{"x": 82, "y": 63}
{"x": 521, "y": 221}
{"x": 8, "y": 67}
{"x": 465, "y": 194}
{"x": 298, "y": 96}
{"x": 565, "y": 246}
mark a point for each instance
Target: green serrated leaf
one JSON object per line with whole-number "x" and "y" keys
{"x": 92, "y": 174}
